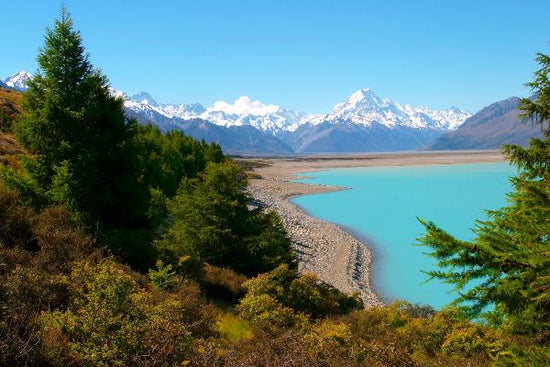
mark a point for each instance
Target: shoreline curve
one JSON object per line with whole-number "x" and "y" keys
{"x": 332, "y": 252}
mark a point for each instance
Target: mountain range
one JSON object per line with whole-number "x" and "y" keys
{"x": 362, "y": 123}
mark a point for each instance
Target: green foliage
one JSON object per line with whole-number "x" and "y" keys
{"x": 164, "y": 277}
{"x": 211, "y": 222}
{"x": 398, "y": 336}
{"x": 163, "y": 159}
{"x": 287, "y": 290}
{"x": 265, "y": 310}
{"x": 62, "y": 185}
{"x": 111, "y": 173}
{"x": 233, "y": 328}
{"x": 31, "y": 193}
{"x": 103, "y": 322}
{"x": 508, "y": 263}
{"x": 111, "y": 320}
{"x": 539, "y": 110}
{"x": 75, "y": 129}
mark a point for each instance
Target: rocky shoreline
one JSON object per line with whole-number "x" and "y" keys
{"x": 328, "y": 250}
{"x": 321, "y": 247}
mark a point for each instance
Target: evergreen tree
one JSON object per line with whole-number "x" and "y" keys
{"x": 507, "y": 265}
{"x": 210, "y": 221}
{"x": 76, "y": 130}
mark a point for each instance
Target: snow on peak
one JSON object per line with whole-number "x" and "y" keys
{"x": 364, "y": 107}
{"x": 244, "y": 106}
{"x": 365, "y": 99}
{"x": 19, "y": 80}
{"x": 245, "y": 111}
{"x": 144, "y": 97}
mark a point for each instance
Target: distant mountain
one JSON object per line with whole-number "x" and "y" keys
{"x": 241, "y": 140}
{"x": 365, "y": 108}
{"x": 367, "y": 123}
{"x": 363, "y": 123}
{"x": 243, "y": 112}
{"x": 18, "y": 81}
{"x": 491, "y": 127}
{"x": 348, "y": 137}
{"x": 145, "y": 98}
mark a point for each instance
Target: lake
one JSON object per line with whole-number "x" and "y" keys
{"x": 382, "y": 207}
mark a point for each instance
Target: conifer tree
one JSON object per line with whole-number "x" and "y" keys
{"x": 75, "y": 129}
{"x": 507, "y": 265}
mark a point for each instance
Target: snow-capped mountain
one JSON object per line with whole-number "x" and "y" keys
{"x": 365, "y": 108}
{"x": 145, "y": 98}
{"x": 363, "y": 123}
{"x": 362, "y": 107}
{"x": 19, "y": 80}
{"x": 243, "y": 112}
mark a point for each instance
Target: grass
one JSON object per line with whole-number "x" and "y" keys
{"x": 233, "y": 328}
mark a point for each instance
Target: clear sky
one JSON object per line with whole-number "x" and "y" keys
{"x": 301, "y": 54}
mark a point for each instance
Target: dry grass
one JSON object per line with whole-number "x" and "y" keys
{"x": 10, "y": 108}
{"x": 8, "y": 145}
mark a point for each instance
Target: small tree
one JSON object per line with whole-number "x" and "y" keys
{"x": 508, "y": 263}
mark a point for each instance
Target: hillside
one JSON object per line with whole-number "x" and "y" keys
{"x": 496, "y": 124}
{"x": 10, "y": 106}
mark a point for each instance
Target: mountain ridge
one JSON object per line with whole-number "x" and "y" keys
{"x": 363, "y": 123}
{"x": 494, "y": 125}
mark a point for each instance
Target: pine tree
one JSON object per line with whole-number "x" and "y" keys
{"x": 507, "y": 265}
{"x": 75, "y": 129}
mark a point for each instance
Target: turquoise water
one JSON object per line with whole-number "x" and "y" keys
{"x": 382, "y": 207}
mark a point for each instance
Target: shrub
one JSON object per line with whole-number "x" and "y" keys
{"x": 223, "y": 284}
{"x": 164, "y": 277}
{"x": 303, "y": 293}
{"x": 15, "y": 225}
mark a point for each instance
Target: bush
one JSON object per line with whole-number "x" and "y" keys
{"x": 303, "y": 293}
{"x": 112, "y": 320}
{"x": 15, "y": 225}
{"x": 164, "y": 277}
{"x": 60, "y": 240}
{"x": 223, "y": 284}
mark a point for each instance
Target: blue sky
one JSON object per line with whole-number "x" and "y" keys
{"x": 305, "y": 55}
